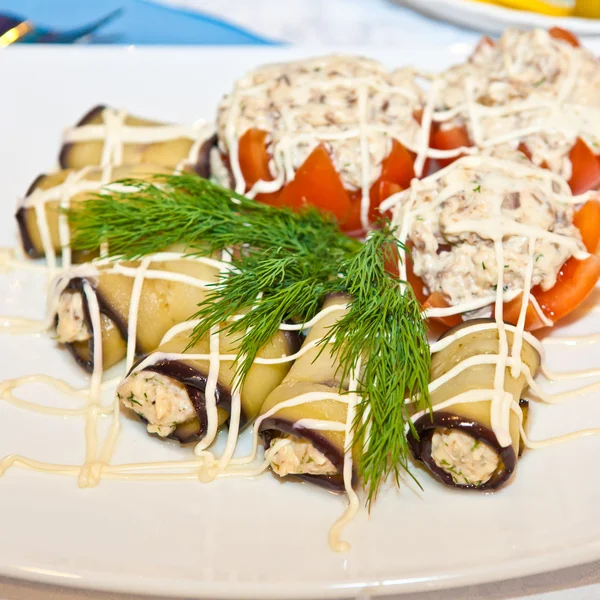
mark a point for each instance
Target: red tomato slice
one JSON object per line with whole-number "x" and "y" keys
{"x": 254, "y": 162}
{"x": 398, "y": 166}
{"x": 253, "y": 157}
{"x": 586, "y": 168}
{"x": 437, "y": 300}
{"x": 511, "y": 311}
{"x": 575, "y": 282}
{"x": 387, "y": 189}
{"x": 562, "y": 34}
{"x": 450, "y": 139}
{"x": 398, "y": 169}
{"x": 485, "y": 41}
{"x": 524, "y": 149}
{"x": 317, "y": 183}
{"x": 415, "y": 282}
{"x": 587, "y": 220}
{"x": 352, "y": 224}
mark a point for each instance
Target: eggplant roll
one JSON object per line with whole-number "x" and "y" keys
{"x": 310, "y": 454}
{"x": 80, "y": 150}
{"x": 74, "y": 186}
{"x": 457, "y": 444}
{"x": 169, "y": 395}
{"x": 163, "y": 303}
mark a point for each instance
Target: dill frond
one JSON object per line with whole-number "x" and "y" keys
{"x": 385, "y": 328}
{"x": 286, "y": 265}
{"x": 186, "y": 209}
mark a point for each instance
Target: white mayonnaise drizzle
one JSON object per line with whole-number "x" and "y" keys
{"x": 353, "y": 503}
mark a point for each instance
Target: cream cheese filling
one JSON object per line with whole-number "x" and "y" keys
{"x": 299, "y": 457}
{"x": 163, "y": 402}
{"x": 71, "y": 325}
{"x": 467, "y": 460}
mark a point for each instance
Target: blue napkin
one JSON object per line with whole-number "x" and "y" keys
{"x": 140, "y": 23}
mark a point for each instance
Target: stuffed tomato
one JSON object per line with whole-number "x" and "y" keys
{"x": 537, "y": 91}
{"x": 487, "y": 232}
{"x": 338, "y": 133}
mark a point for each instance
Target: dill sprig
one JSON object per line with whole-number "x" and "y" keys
{"x": 384, "y": 327}
{"x": 291, "y": 287}
{"x": 285, "y": 265}
{"x": 149, "y": 216}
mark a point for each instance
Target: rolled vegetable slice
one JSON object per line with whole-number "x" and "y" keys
{"x": 169, "y": 294}
{"x": 38, "y": 213}
{"x": 457, "y": 444}
{"x": 293, "y": 446}
{"x": 171, "y": 393}
{"x": 106, "y": 136}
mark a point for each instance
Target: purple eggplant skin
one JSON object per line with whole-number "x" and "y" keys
{"x": 26, "y": 241}
{"x": 194, "y": 381}
{"x": 202, "y": 166}
{"x": 420, "y": 445}
{"x": 195, "y": 385}
{"x": 76, "y": 285}
{"x": 63, "y": 157}
{"x": 272, "y": 427}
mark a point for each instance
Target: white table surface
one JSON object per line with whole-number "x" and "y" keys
{"x": 350, "y": 22}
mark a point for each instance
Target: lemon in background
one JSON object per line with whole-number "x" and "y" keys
{"x": 579, "y": 8}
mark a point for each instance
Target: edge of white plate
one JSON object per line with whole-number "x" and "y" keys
{"x": 240, "y": 590}
{"x": 494, "y": 19}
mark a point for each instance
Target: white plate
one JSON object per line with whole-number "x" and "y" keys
{"x": 244, "y": 538}
{"x": 495, "y": 19}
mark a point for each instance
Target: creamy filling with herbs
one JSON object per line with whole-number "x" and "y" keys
{"x": 163, "y": 402}
{"x": 300, "y": 457}
{"x": 455, "y": 219}
{"x": 71, "y": 326}
{"x": 339, "y": 101}
{"x": 528, "y": 87}
{"x": 467, "y": 460}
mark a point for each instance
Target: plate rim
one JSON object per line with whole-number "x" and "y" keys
{"x": 229, "y": 590}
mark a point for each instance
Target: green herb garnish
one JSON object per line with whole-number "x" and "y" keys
{"x": 131, "y": 398}
{"x": 291, "y": 261}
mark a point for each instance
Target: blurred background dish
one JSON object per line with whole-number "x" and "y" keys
{"x": 494, "y": 16}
